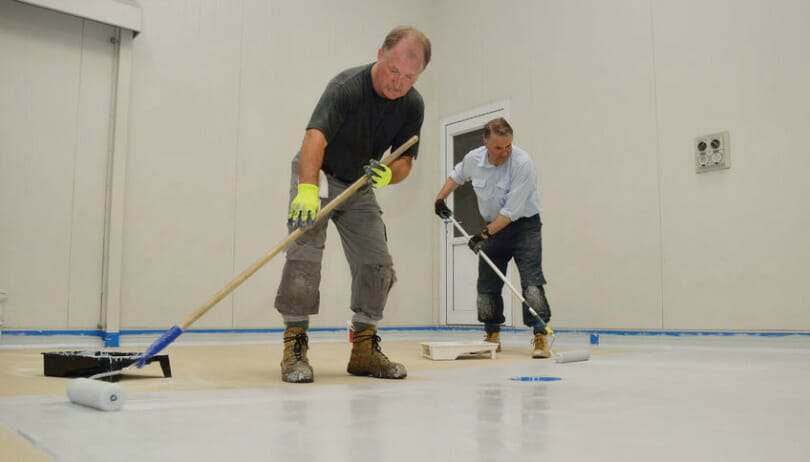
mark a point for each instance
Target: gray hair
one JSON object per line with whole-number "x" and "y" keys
{"x": 401, "y": 32}
{"x": 499, "y": 127}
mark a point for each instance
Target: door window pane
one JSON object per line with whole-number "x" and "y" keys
{"x": 465, "y": 204}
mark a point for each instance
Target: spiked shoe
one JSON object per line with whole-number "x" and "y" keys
{"x": 295, "y": 367}
{"x": 367, "y": 358}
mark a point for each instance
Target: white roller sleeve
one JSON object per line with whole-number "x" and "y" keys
{"x": 96, "y": 394}
{"x": 572, "y": 356}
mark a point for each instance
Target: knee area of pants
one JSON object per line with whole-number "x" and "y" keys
{"x": 378, "y": 276}
{"x": 536, "y": 298}
{"x": 489, "y": 305}
{"x": 301, "y": 279}
{"x": 535, "y": 295}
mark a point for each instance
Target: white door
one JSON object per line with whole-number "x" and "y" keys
{"x": 461, "y": 134}
{"x": 55, "y": 105}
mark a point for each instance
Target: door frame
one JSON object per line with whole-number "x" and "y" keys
{"x": 450, "y": 126}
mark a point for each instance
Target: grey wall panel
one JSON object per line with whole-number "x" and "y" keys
{"x": 178, "y": 242}
{"x": 89, "y": 173}
{"x": 736, "y": 247}
{"x": 54, "y": 111}
{"x": 616, "y": 93}
{"x": 606, "y": 96}
{"x": 579, "y": 77}
{"x": 221, "y": 97}
{"x": 117, "y": 13}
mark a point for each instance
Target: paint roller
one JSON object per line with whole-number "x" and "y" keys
{"x": 572, "y": 356}
{"x": 97, "y": 394}
{"x": 566, "y": 357}
{"x": 106, "y": 396}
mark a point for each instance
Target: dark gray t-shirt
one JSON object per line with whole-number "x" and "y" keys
{"x": 360, "y": 125}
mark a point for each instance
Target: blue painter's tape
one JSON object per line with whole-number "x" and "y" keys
{"x": 159, "y": 344}
{"x": 535, "y": 378}
{"x": 277, "y": 330}
{"x": 53, "y": 333}
{"x": 112, "y": 339}
{"x": 208, "y": 331}
{"x": 633, "y": 333}
{"x": 598, "y": 332}
{"x": 685, "y": 333}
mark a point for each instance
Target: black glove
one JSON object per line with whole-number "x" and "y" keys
{"x": 476, "y": 243}
{"x": 442, "y": 210}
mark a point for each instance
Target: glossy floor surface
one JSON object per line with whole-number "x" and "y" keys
{"x": 739, "y": 398}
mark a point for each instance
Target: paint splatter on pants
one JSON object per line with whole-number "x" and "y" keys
{"x": 522, "y": 241}
{"x": 362, "y": 232}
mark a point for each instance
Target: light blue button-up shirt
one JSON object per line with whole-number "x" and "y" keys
{"x": 509, "y": 189}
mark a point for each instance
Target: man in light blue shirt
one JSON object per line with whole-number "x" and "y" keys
{"x": 505, "y": 183}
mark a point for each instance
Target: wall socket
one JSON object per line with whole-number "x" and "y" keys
{"x": 712, "y": 152}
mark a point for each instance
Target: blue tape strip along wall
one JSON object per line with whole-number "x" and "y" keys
{"x": 112, "y": 339}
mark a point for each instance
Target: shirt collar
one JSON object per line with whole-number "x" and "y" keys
{"x": 484, "y": 162}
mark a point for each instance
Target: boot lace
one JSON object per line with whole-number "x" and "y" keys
{"x": 301, "y": 343}
{"x": 375, "y": 343}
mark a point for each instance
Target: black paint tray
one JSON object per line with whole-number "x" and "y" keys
{"x": 89, "y": 363}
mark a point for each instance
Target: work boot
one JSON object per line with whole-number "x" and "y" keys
{"x": 541, "y": 348}
{"x": 494, "y": 337}
{"x": 295, "y": 367}
{"x": 368, "y": 359}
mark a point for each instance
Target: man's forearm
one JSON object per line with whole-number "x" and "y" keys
{"x": 499, "y": 223}
{"x": 400, "y": 169}
{"x": 449, "y": 186}
{"x": 312, "y": 151}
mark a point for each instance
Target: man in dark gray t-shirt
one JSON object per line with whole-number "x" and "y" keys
{"x": 360, "y": 125}
{"x": 363, "y": 112}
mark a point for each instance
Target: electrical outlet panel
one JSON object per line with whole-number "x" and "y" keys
{"x": 712, "y": 152}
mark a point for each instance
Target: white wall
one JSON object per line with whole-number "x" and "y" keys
{"x": 608, "y": 97}
{"x": 221, "y": 96}
{"x": 744, "y": 259}
{"x": 55, "y": 100}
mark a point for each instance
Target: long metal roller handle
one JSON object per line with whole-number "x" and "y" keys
{"x": 502, "y": 276}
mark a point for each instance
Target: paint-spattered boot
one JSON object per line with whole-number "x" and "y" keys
{"x": 368, "y": 359}
{"x": 295, "y": 366}
{"x": 541, "y": 347}
{"x": 494, "y": 337}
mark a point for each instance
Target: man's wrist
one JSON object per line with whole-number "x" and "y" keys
{"x": 308, "y": 187}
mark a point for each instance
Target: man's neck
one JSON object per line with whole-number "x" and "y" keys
{"x": 374, "y": 72}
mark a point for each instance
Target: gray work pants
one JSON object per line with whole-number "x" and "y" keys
{"x": 362, "y": 233}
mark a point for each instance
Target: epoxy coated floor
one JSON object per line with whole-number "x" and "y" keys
{"x": 637, "y": 399}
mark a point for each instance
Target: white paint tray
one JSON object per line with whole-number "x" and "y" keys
{"x": 448, "y": 351}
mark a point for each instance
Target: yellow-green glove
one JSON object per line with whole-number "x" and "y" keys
{"x": 378, "y": 173}
{"x": 304, "y": 207}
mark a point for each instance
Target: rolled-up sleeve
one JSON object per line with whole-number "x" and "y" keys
{"x": 458, "y": 176}
{"x": 521, "y": 189}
